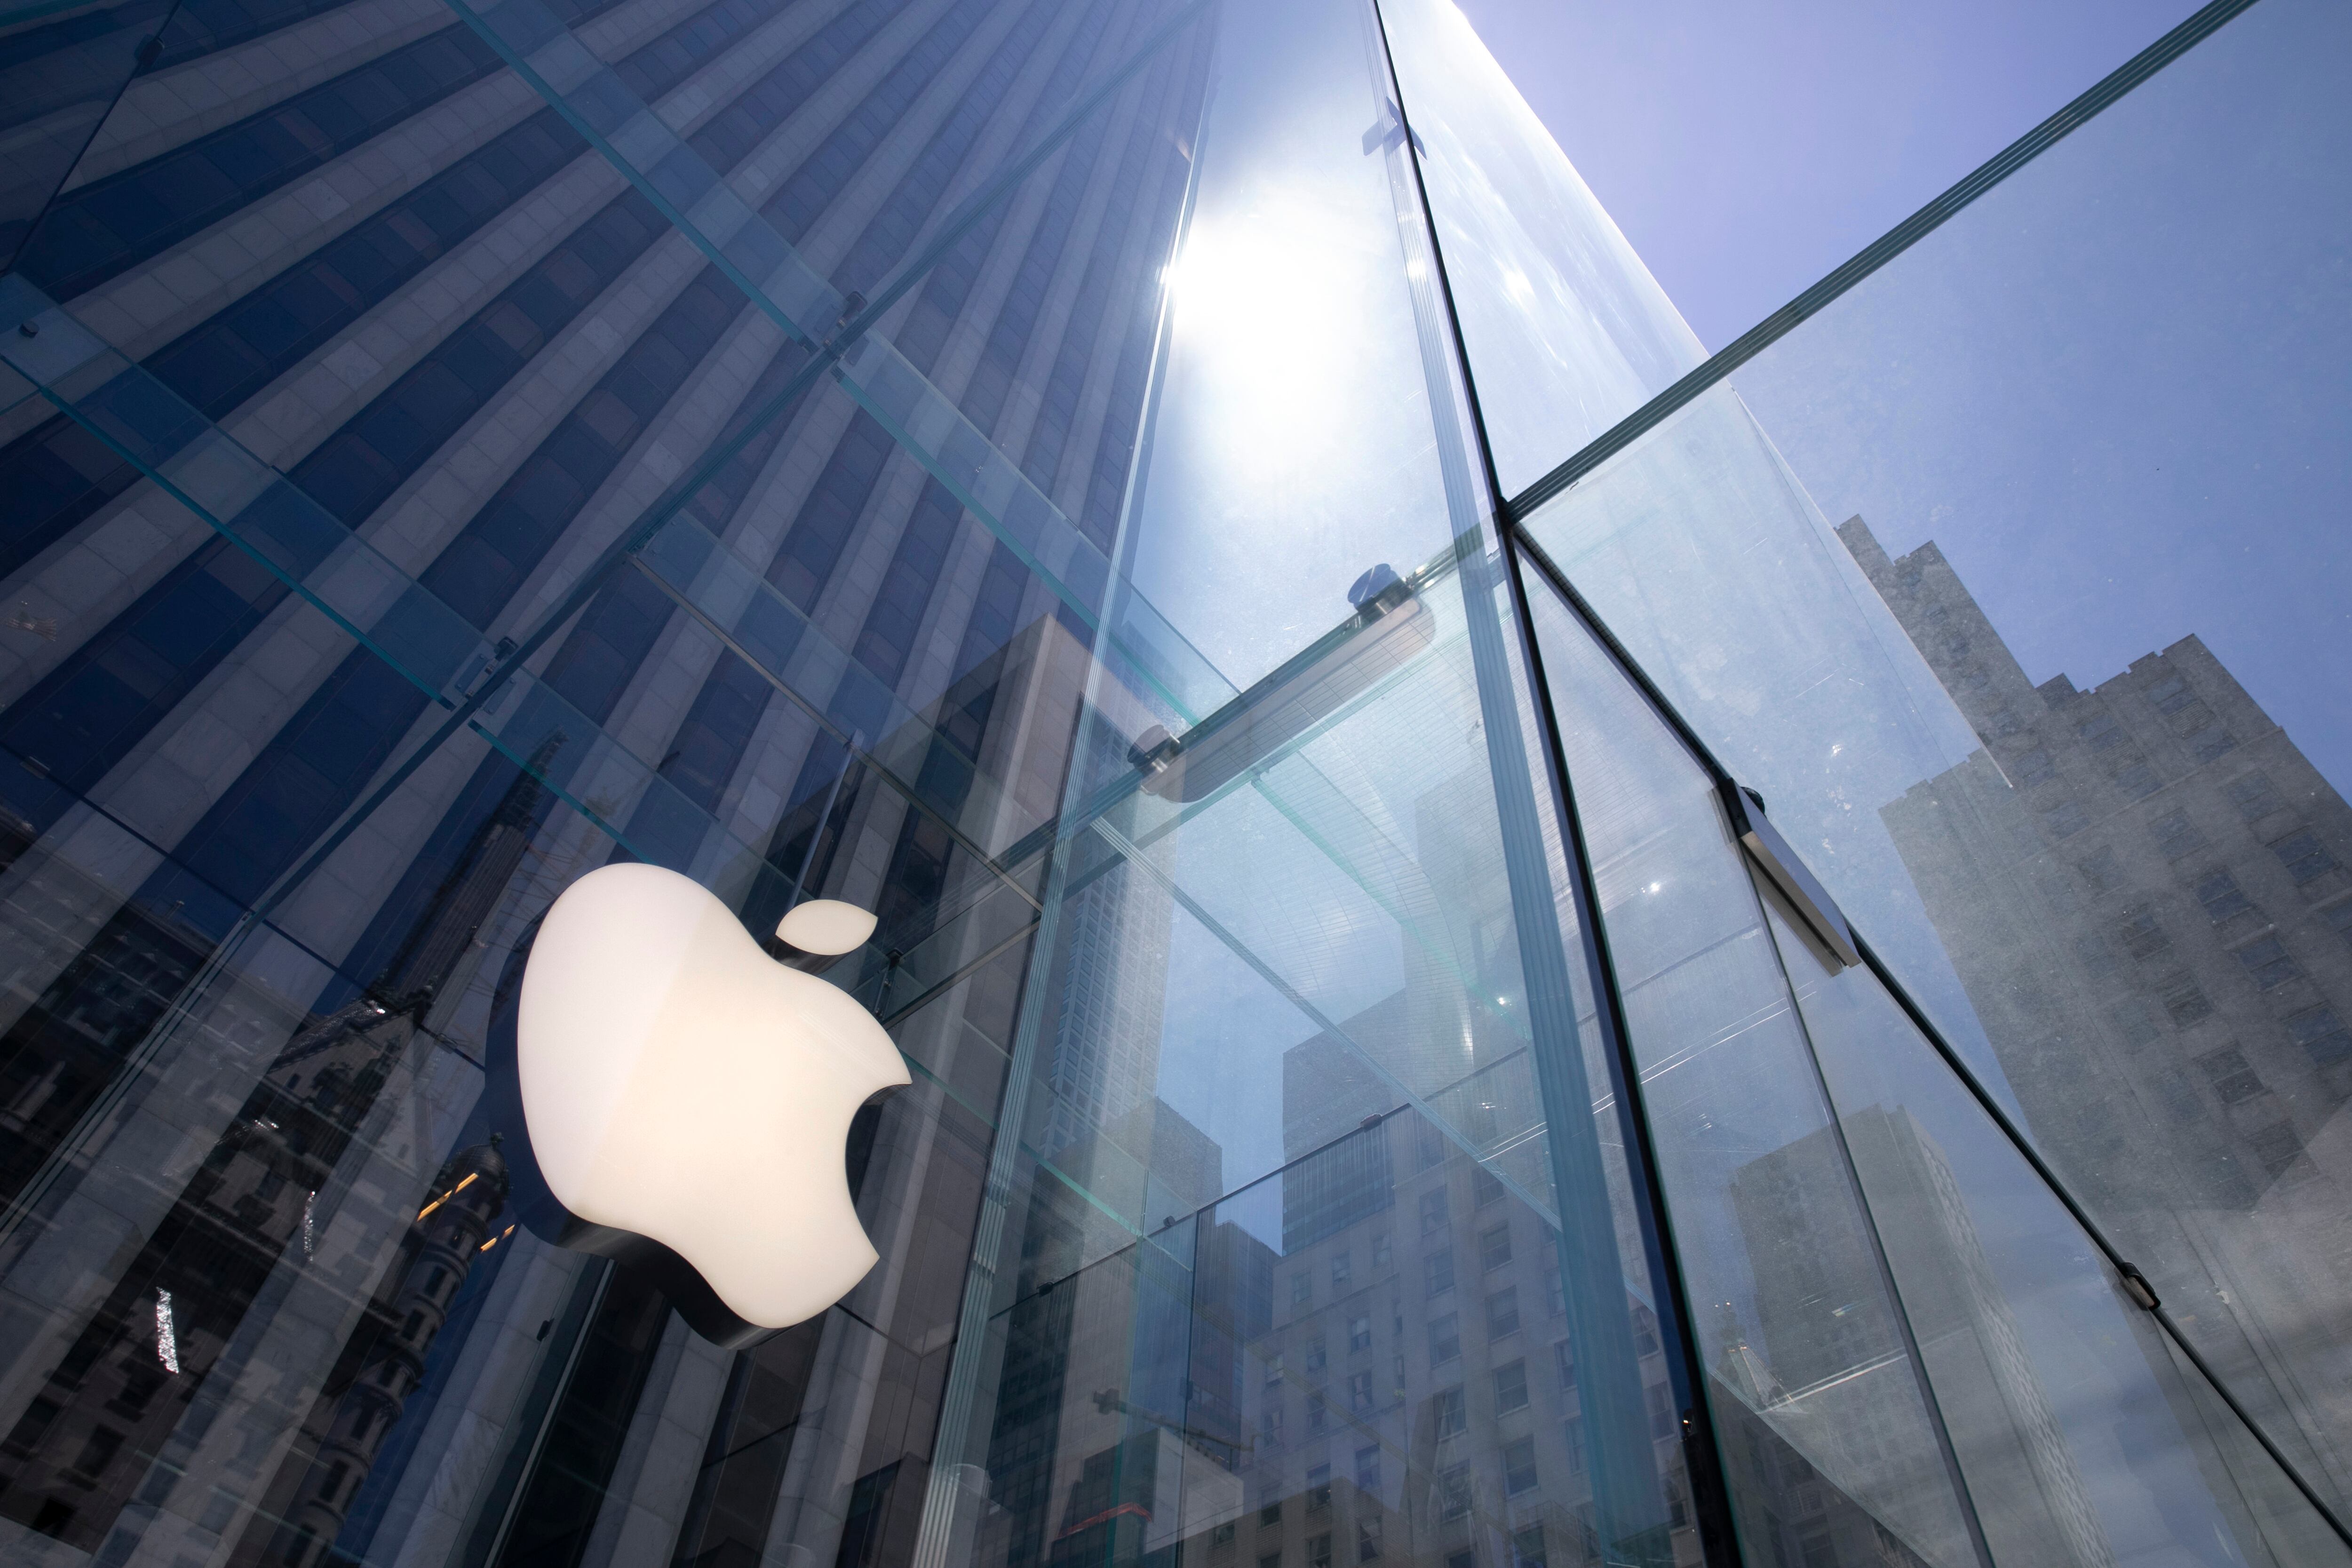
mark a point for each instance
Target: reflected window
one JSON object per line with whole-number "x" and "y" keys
{"x": 1503, "y": 1313}
{"x": 1495, "y": 1247}
{"x": 2184, "y": 1001}
{"x": 2229, "y": 1075}
{"x": 2175, "y": 835}
{"x": 2253, "y": 796}
{"x": 1454, "y": 1493}
{"x": 1511, "y": 1387}
{"x": 2278, "y": 1148}
{"x": 2268, "y": 963}
{"x": 2321, "y": 1034}
{"x": 1453, "y": 1412}
{"x": 2132, "y": 1021}
{"x": 2099, "y": 870}
{"x": 2212, "y": 742}
{"x": 2220, "y": 897}
{"x": 2304, "y": 857}
{"x": 2170, "y": 695}
{"x": 1519, "y": 1466}
{"x": 1437, "y": 1270}
{"x": 2142, "y": 936}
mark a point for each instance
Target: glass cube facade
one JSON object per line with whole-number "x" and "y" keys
{"x": 1482, "y": 983}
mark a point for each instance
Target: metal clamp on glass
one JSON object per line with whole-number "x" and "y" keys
{"x": 1784, "y": 875}
{"x": 1389, "y": 628}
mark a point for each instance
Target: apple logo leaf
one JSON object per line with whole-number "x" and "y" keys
{"x": 679, "y": 1100}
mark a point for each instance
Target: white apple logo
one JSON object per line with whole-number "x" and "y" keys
{"x": 680, "y": 1085}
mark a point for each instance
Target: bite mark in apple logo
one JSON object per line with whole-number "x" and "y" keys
{"x": 683, "y": 1100}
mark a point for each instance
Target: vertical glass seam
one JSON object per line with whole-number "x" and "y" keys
{"x": 1702, "y": 1452}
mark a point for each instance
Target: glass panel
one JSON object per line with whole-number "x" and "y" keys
{"x": 2120, "y": 900}
{"x": 1362, "y": 1357}
{"x": 1813, "y": 1370}
{"x": 1331, "y": 894}
{"x": 1566, "y": 329}
{"x": 1266, "y": 498}
{"x": 2084, "y": 1432}
{"x": 252, "y": 1212}
{"x": 748, "y": 245}
{"x": 61, "y": 67}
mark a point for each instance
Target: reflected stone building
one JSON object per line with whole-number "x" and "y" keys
{"x": 2148, "y": 891}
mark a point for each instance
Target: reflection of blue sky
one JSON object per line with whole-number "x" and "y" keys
{"x": 1747, "y": 149}
{"x": 1568, "y": 332}
{"x": 1221, "y": 1047}
{"x": 1292, "y": 449}
{"x": 2113, "y": 390}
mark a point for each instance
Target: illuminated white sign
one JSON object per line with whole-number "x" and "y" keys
{"x": 679, "y": 1084}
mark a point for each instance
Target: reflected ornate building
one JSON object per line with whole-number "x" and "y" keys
{"x": 2145, "y": 888}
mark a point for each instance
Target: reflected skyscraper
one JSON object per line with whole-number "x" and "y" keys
{"x": 2143, "y": 887}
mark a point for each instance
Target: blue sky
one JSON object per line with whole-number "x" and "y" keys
{"x": 2112, "y": 390}
{"x": 1746, "y": 149}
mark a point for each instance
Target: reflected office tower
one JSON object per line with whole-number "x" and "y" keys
{"x": 262, "y": 903}
{"x": 2145, "y": 888}
{"x": 271, "y": 1202}
{"x": 1118, "y": 922}
{"x": 1817, "y": 1358}
{"x": 456, "y": 1227}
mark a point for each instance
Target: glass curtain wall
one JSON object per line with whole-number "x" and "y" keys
{"x": 1084, "y": 481}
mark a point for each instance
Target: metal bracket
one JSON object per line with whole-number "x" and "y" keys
{"x": 1785, "y": 874}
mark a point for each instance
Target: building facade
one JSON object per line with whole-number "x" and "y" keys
{"x": 1043, "y": 471}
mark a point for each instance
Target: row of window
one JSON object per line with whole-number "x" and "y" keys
{"x": 89, "y": 712}
{"x": 57, "y": 475}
